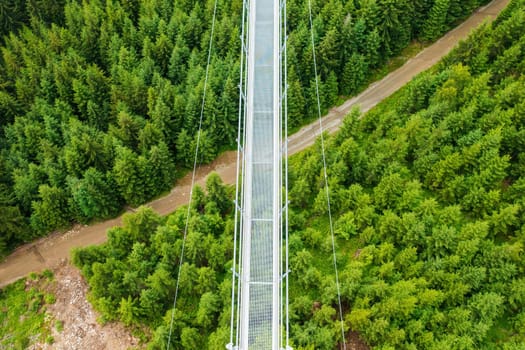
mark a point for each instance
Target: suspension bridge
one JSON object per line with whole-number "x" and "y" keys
{"x": 260, "y": 275}
{"x": 260, "y": 269}
{"x": 259, "y": 318}
{"x": 259, "y": 291}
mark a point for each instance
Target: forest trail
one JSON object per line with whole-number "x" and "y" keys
{"x": 49, "y": 251}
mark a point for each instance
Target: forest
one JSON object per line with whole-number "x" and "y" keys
{"x": 428, "y": 193}
{"x": 99, "y": 99}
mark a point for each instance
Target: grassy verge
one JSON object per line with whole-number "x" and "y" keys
{"x": 23, "y": 317}
{"x": 377, "y": 74}
{"x": 391, "y": 65}
{"x": 396, "y": 62}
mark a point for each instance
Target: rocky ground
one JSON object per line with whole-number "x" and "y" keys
{"x": 79, "y": 328}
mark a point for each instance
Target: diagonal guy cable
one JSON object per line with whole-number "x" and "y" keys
{"x": 193, "y": 176}
{"x": 326, "y": 177}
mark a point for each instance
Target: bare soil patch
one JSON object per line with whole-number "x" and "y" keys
{"x": 354, "y": 342}
{"x": 80, "y": 329}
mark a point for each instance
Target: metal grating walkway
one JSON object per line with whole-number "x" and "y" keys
{"x": 260, "y": 285}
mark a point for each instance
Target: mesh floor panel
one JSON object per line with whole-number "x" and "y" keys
{"x": 261, "y": 193}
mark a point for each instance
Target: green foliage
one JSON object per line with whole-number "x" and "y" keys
{"x": 51, "y": 211}
{"x": 427, "y": 188}
{"x": 128, "y": 311}
{"x": 59, "y": 326}
{"x": 432, "y": 255}
{"x": 23, "y": 317}
{"x": 435, "y": 24}
{"x": 427, "y": 193}
{"x": 100, "y": 101}
{"x": 50, "y": 339}
{"x": 132, "y": 277}
{"x": 12, "y": 16}
{"x": 12, "y": 224}
{"x": 95, "y": 195}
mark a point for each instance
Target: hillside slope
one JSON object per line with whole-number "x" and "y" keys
{"x": 48, "y": 252}
{"x": 428, "y": 193}
{"x": 100, "y": 99}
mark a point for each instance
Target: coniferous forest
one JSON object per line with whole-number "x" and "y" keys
{"x": 428, "y": 191}
{"x": 99, "y": 99}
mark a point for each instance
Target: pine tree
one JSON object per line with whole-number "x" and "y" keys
{"x": 95, "y": 195}
{"x": 435, "y": 24}
{"x": 51, "y": 211}
{"x": 354, "y": 74}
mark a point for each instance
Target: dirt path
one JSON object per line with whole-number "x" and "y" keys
{"x": 47, "y": 252}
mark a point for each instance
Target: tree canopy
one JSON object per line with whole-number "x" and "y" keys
{"x": 428, "y": 198}
{"x": 99, "y": 100}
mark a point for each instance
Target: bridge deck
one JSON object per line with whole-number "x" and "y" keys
{"x": 261, "y": 243}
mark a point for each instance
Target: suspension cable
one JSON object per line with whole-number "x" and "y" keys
{"x": 239, "y": 185}
{"x": 188, "y": 213}
{"x": 243, "y": 90}
{"x": 286, "y": 199}
{"x": 327, "y": 190}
